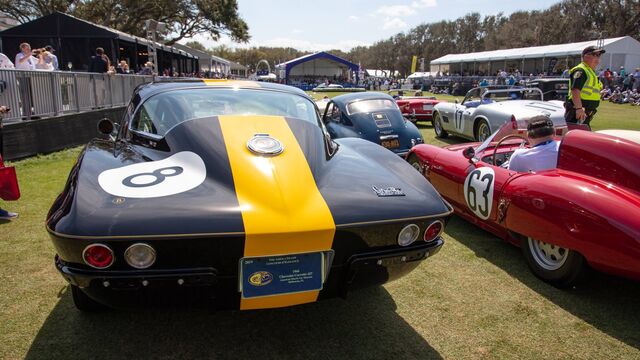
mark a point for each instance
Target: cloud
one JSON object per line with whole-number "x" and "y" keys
{"x": 419, "y": 4}
{"x": 297, "y": 31}
{"x": 393, "y": 23}
{"x": 396, "y": 10}
{"x": 353, "y": 18}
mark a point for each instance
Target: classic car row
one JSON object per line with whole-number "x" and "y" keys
{"x": 244, "y": 194}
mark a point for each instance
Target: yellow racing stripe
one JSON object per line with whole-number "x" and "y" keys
{"x": 282, "y": 209}
{"x": 236, "y": 83}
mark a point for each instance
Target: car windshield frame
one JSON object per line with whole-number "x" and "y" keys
{"x": 230, "y": 93}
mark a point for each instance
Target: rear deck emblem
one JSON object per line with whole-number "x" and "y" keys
{"x": 388, "y": 191}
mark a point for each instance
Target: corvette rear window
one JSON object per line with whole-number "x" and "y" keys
{"x": 370, "y": 106}
{"x": 161, "y": 112}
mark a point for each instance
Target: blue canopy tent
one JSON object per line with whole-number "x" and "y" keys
{"x": 320, "y": 64}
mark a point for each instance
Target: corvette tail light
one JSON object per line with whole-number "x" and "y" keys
{"x": 514, "y": 123}
{"x": 433, "y": 230}
{"x": 98, "y": 256}
{"x": 408, "y": 234}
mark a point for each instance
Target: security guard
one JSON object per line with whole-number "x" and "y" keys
{"x": 584, "y": 88}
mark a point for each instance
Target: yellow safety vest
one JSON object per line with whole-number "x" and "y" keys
{"x": 592, "y": 87}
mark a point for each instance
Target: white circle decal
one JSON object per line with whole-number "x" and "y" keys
{"x": 478, "y": 191}
{"x": 176, "y": 174}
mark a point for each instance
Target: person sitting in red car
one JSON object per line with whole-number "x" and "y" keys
{"x": 543, "y": 151}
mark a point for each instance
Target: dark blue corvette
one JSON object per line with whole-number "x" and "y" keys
{"x": 371, "y": 116}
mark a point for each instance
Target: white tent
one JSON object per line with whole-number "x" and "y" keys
{"x": 621, "y": 51}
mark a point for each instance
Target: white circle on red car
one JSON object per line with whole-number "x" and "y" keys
{"x": 478, "y": 191}
{"x": 176, "y": 174}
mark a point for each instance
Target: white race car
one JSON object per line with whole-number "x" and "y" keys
{"x": 485, "y": 109}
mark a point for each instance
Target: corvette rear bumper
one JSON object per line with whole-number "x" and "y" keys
{"x": 131, "y": 288}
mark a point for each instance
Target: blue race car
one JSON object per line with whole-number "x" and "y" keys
{"x": 371, "y": 116}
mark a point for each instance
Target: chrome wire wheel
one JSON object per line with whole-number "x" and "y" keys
{"x": 483, "y": 131}
{"x": 547, "y": 256}
{"x": 437, "y": 126}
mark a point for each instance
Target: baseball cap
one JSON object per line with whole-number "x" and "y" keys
{"x": 540, "y": 121}
{"x": 592, "y": 49}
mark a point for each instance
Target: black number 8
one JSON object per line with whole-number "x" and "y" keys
{"x": 159, "y": 176}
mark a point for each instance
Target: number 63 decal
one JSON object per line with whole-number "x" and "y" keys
{"x": 478, "y": 191}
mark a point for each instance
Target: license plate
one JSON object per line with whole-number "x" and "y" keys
{"x": 281, "y": 274}
{"x": 391, "y": 144}
{"x": 427, "y": 107}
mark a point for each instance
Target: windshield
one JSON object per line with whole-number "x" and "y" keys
{"x": 518, "y": 127}
{"x": 370, "y": 106}
{"x": 161, "y": 112}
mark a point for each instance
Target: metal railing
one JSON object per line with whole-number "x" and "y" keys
{"x": 37, "y": 94}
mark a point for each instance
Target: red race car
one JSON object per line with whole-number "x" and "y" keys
{"x": 585, "y": 213}
{"x": 417, "y": 108}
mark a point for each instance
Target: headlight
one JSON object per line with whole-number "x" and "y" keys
{"x": 140, "y": 256}
{"x": 408, "y": 235}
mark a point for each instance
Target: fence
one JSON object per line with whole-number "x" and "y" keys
{"x": 37, "y": 94}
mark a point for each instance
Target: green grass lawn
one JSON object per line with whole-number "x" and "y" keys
{"x": 476, "y": 299}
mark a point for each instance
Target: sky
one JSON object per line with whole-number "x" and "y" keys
{"x": 343, "y": 24}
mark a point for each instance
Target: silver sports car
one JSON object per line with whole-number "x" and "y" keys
{"x": 485, "y": 109}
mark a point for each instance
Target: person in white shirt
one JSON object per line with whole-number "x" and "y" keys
{"x": 543, "y": 151}
{"x": 5, "y": 63}
{"x": 24, "y": 59}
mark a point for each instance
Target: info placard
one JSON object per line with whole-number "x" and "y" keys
{"x": 281, "y": 274}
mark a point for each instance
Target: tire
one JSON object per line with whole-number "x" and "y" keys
{"x": 560, "y": 267}
{"x": 437, "y": 126}
{"x": 483, "y": 131}
{"x": 415, "y": 162}
{"x": 85, "y": 303}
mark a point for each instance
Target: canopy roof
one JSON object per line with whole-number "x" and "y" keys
{"x": 67, "y": 26}
{"x": 319, "y": 55}
{"x": 624, "y": 45}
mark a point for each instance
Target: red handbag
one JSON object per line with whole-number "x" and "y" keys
{"x": 9, "y": 189}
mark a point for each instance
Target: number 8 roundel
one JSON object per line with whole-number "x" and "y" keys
{"x": 478, "y": 191}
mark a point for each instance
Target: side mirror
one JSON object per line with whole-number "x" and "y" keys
{"x": 469, "y": 153}
{"x": 106, "y": 126}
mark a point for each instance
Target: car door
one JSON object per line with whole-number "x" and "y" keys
{"x": 481, "y": 194}
{"x": 458, "y": 124}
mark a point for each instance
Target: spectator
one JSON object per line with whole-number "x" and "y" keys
{"x": 147, "y": 69}
{"x": 52, "y": 59}
{"x": 42, "y": 55}
{"x": 24, "y": 59}
{"x": 98, "y": 63}
{"x": 608, "y": 76}
{"x": 626, "y": 82}
{"x": 636, "y": 79}
{"x": 123, "y": 67}
{"x": 4, "y": 214}
{"x": 5, "y": 63}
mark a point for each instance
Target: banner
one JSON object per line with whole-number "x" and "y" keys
{"x": 413, "y": 63}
